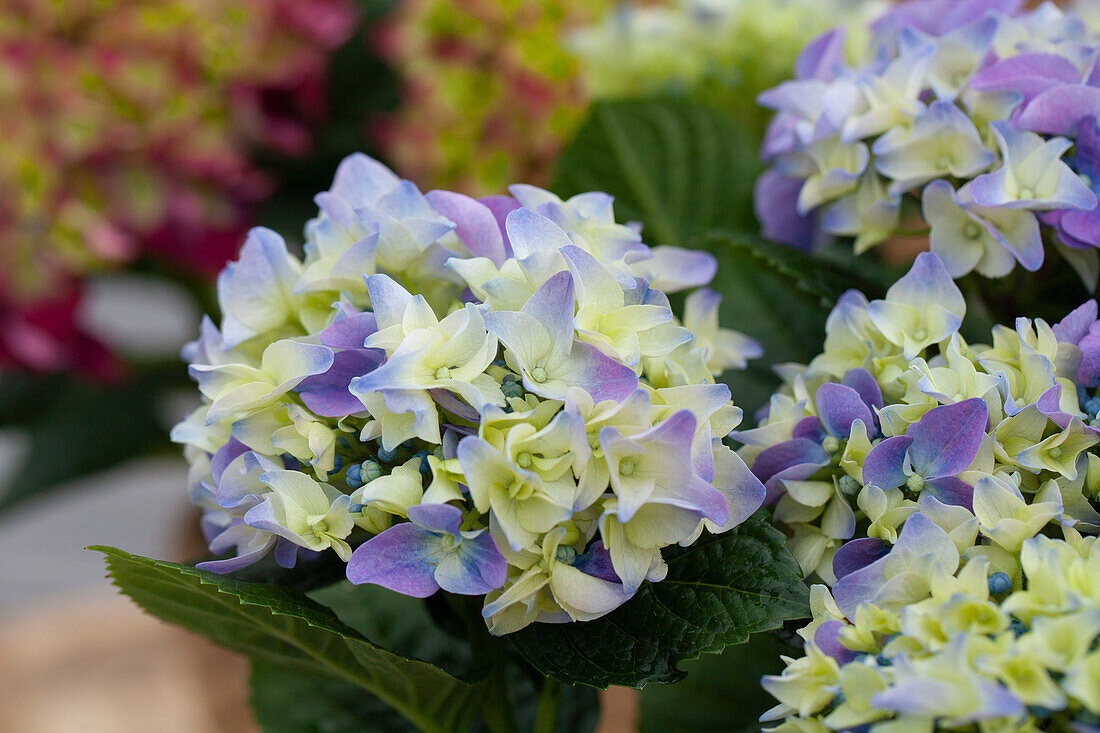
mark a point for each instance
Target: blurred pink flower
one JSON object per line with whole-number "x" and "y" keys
{"x": 128, "y": 128}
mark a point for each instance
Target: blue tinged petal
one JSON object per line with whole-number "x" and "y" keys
{"x": 362, "y": 180}
{"x": 884, "y": 465}
{"x": 838, "y": 407}
{"x": 402, "y": 558}
{"x": 947, "y": 438}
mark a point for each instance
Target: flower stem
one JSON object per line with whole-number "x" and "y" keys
{"x": 547, "y": 715}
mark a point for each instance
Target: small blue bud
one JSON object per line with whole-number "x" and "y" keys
{"x": 337, "y": 463}
{"x": 425, "y": 467}
{"x": 353, "y": 476}
{"x": 999, "y": 583}
{"x": 356, "y": 508}
{"x": 1092, "y": 406}
{"x": 387, "y": 456}
{"x": 1017, "y": 627}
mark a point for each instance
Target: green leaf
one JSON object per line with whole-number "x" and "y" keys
{"x": 403, "y": 625}
{"x": 298, "y": 702}
{"x": 718, "y": 591}
{"x": 679, "y": 167}
{"x": 283, "y": 628}
{"x": 721, "y": 693}
{"x": 781, "y": 297}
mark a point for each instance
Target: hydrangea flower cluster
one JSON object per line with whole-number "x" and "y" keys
{"x": 492, "y": 397}
{"x": 723, "y": 50}
{"x": 918, "y": 477}
{"x": 982, "y": 111}
{"x": 490, "y": 93}
{"x": 128, "y": 128}
{"x": 951, "y": 643}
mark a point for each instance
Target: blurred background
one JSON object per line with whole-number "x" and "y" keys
{"x": 140, "y": 139}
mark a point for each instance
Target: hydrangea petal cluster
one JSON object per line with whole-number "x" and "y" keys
{"x": 920, "y": 478}
{"x": 490, "y": 93}
{"x": 492, "y": 397}
{"x": 723, "y": 50}
{"x": 128, "y": 128}
{"x": 982, "y": 112}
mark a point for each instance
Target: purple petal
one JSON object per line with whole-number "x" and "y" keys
{"x": 601, "y": 376}
{"x": 552, "y": 304}
{"x": 501, "y": 207}
{"x": 1075, "y": 326}
{"x": 827, "y": 639}
{"x": 952, "y": 490}
{"x": 1086, "y": 152}
{"x": 676, "y": 431}
{"x": 232, "y": 564}
{"x": 1027, "y": 73}
{"x": 452, "y": 404}
{"x": 596, "y": 561}
{"x": 398, "y": 559}
{"x": 884, "y": 465}
{"x": 919, "y": 536}
{"x": 349, "y": 332}
{"x": 809, "y": 428}
{"x": 775, "y": 201}
{"x": 286, "y": 553}
{"x": 858, "y": 554}
{"x": 947, "y": 438}
{"x": 531, "y": 233}
{"x": 1061, "y": 110}
{"x": 1088, "y": 373}
{"x": 327, "y": 395}
{"x": 673, "y": 269}
{"x": 224, "y": 456}
{"x": 1082, "y": 226}
{"x": 798, "y": 452}
{"x": 1049, "y": 404}
{"x": 838, "y": 407}
{"x": 822, "y": 57}
{"x": 862, "y": 382}
{"x": 438, "y": 518}
{"x": 475, "y": 224}
{"x": 477, "y": 568}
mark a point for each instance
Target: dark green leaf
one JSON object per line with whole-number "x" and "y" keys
{"x": 718, "y": 591}
{"x": 402, "y": 625}
{"x": 721, "y": 693}
{"x": 679, "y": 167}
{"x": 279, "y": 627}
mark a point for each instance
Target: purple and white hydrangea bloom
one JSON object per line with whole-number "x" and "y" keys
{"x": 920, "y": 479}
{"x": 490, "y": 397}
{"x": 983, "y": 111}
